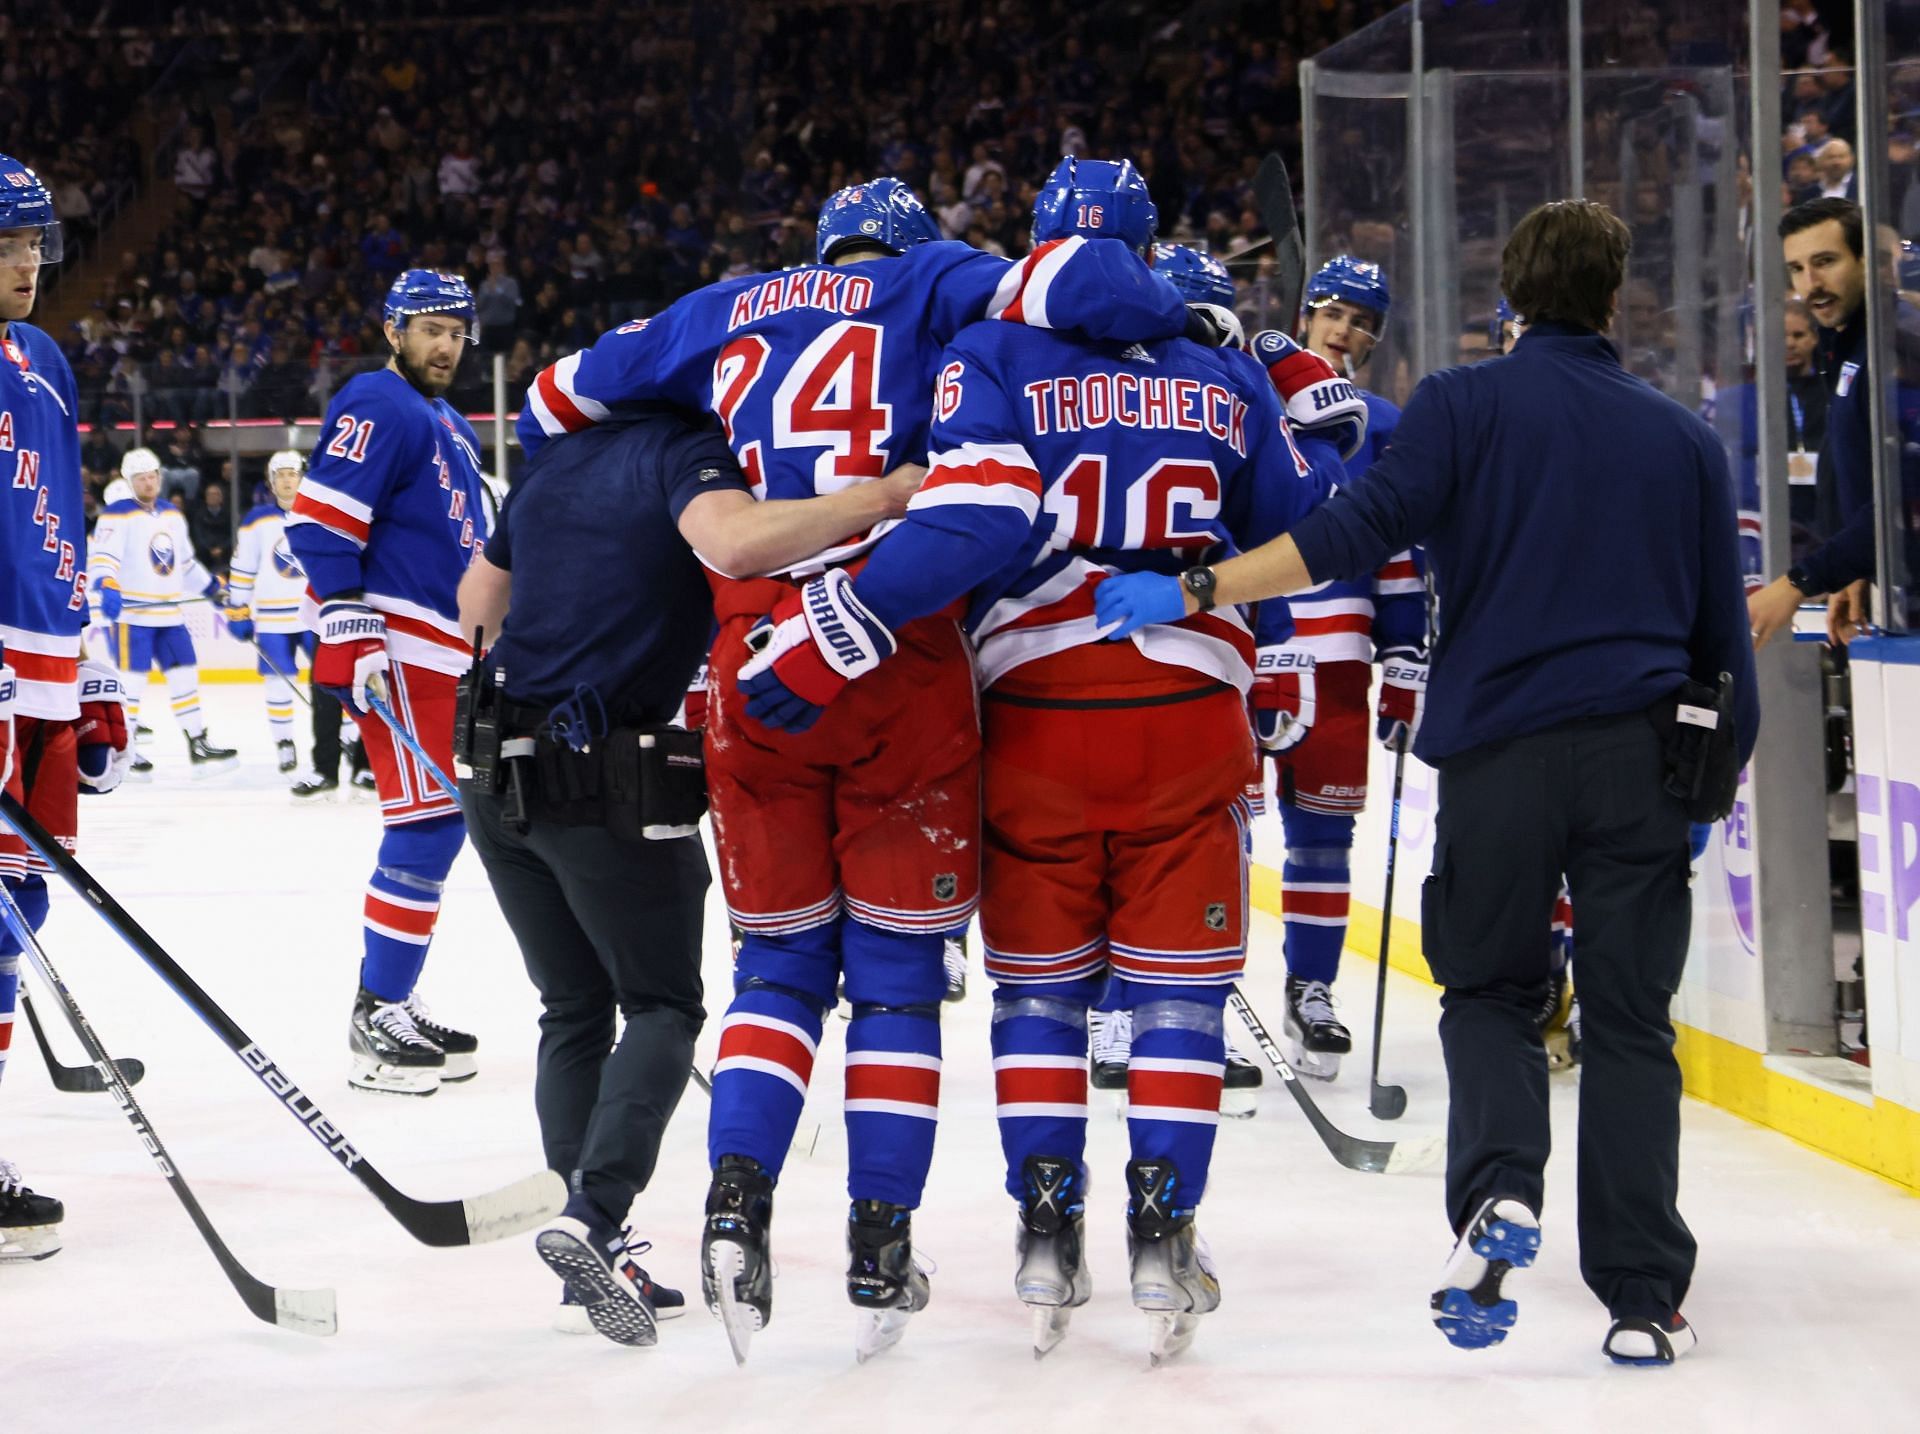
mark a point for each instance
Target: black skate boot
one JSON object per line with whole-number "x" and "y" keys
{"x": 359, "y": 770}
{"x": 1110, "y": 1036}
{"x": 1240, "y": 1093}
{"x": 1315, "y": 1033}
{"x": 736, "y": 1263}
{"x": 602, "y": 1276}
{"x": 882, "y": 1280}
{"x": 1173, "y": 1277}
{"x": 313, "y": 789}
{"x": 29, "y": 1222}
{"x": 1052, "y": 1278}
{"x": 1552, "y": 1018}
{"x": 459, "y": 1048}
{"x": 389, "y": 1053}
{"x": 953, "y": 953}
{"x": 203, "y": 754}
{"x": 141, "y": 766}
{"x": 286, "y": 756}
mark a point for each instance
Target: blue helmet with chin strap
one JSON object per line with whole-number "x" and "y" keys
{"x": 1200, "y": 278}
{"x": 1099, "y": 198}
{"x": 27, "y": 203}
{"x": 430, "y": 291}
{"x": 1347, "y": 280}
{"x": 882, "y": 211}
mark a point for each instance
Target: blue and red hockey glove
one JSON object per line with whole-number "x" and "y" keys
{"x": 1403, "y": 697}
{"x": 1319, "y": 402}
{"x": 104, "y": 749}
{"x": 807, "y": 649}
{"x": 1282, "y": 699}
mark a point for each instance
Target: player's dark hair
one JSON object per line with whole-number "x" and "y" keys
{"x": 1819, "y": 211}
{"x": 1565, "y": 262}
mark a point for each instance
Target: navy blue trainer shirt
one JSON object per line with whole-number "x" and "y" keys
{"x": 605, "y": 591}
{"x": 1580, "y": 529}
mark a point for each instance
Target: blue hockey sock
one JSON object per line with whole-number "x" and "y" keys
{"x": 767, "y": 1044}
{"x": 403, "y": 902}
{"x": 1039, "y": 1079}
{"x": 1173, "y": 1083}
{"x": 29, "y": 894}
{"x": 892, "y": 1103}
{"x": 1315, "y": 888}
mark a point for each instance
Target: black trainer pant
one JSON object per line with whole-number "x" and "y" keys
{"x": 1587, "y": 799}
{"x": 602, "y": 924}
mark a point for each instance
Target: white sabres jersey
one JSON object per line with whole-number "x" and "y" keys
{"x": 146, "y": 553}
{"x": 266, "y": 577}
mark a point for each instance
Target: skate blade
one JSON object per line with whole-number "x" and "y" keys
{"x": 394, "y": 1080}
{"x": 876, "y": 1331}
{"x": 1169, "y": 1335}
{"x": 459, "y": 1068}
{"x": 727, "y": 1262}
{"x": 20, "y": 1243}
{"x": 1049, "y": 1328}
{"x": 612, "y": 1309}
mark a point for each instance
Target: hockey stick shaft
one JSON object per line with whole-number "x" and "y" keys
{"x": 1273, "y": 196}
{"x": 307, "y": 1311}
{"x": 411, "y": 743}
{"x": 433, "y": 1222}
{"x": 84, "y": 1080}
{"x": 274, "y": 668}
{"x": 1386, "y": 906}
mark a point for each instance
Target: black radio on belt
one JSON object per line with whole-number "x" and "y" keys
{"x": 1701, "y": 748}
{"x": 478, "y": 724}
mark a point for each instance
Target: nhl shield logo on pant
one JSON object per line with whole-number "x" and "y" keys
{"x": 945, "y": 886}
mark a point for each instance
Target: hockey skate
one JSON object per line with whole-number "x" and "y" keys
{"x": 1469, "y": 1307}
{"x": 953, "y": 954}
{"x": 1649, "y": 1342}
{"x": 736, "y": 1264}
{"x": 1051, "y": 1278}
{"x": 1173, "y": 1278}
{"x": 1555, "y": 1022}
{"x": 460, "y": 1049}
{"x": 883, "y": 1279}
{"x": 1240, "y": 1093}
{"x": 285, "y": 756}
{"x": 141, "y": 766}
{"x": 1110, "y": 1041}
{"x": 29, "y": 1221}
{"x": 597, "y": 1263}
{"x": 389, "y": 1052}
{"x": 1315, "y": 1037}
{"x": 206, "y": 757}
{"x": 313, "y": 789}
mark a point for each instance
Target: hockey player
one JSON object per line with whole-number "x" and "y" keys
{"x": 384, "y": 524}
{"x": 265, "y": 588}
{"x": 52, "y": 742}
{"x": 1113, "y": 773}
{"x": 851, "y": 848}
{"x": 140, "y": 567}
{"x": 1310, "y": 700}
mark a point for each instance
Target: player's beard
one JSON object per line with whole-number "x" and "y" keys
{"x": 420, "y": 376}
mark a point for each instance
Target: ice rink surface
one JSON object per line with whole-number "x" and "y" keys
{"x": 1807, "y": 1297}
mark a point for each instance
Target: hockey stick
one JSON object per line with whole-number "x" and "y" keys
{"x": 1387, "y": 1102}
{"x": 479, "y": 1218}
{"x": 1379, "y": 1157}
{"x": 274, "y": 668}
{"x": 304, "y": 1311}
{"x": 1273, "y": 197}
{"x": 407, "y": 740}
{"x": 75, "y": 1079}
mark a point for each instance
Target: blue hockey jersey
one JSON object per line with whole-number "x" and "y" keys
{"x": 391, "y": 506}
{"x": 820, "y": 375}
{"x": 1057, "y": 462}
{"x": 43, "y": 524}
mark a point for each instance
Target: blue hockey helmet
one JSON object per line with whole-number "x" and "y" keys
{"x": 1100, "y": 198}
{"x": 430, "y": 291}
{"x": 1200, "y": 278}
{"x": 1347, "y": 280}
{"x": 882, "y": 211}
{"x": 26, "y": 203}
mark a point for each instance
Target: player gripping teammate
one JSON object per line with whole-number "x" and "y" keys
{"x": 264, "y": 588}
{"x": 849, "y": 848}
{"x": 384, "y": 523}
{"x": 140, "y": 568}
{"x": 61, "y": 723}
{"x": 1310, "y": 702}
{"x": 1113, "y": 771}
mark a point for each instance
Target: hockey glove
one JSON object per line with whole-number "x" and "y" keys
{"x": 1319, "y": 402}
{"x": 1403, "y": 697}
{"x": 809, "y": 647}
{"x": 110, "y": 601}
{"x": 1282, "y": 700}
{"x": 240, "y": 623}
{"x": 1216, "y": 326}
{"x": 1127, "y": 602}
{"x": 6, "y": 718}
{"x": 104, "y": 749}
{"x": 352, "y": 656}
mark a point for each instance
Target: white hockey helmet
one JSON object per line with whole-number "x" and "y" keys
{"x": 287, "y": 458}
{"x": 137, "y": 461}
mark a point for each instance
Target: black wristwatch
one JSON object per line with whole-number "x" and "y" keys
{"x": 1802, "y": 581}
{"x": 1201, "y": 583}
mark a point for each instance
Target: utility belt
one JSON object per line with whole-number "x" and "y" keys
{"x": 1700, "y": 747}
{"x": 566, "y": 763}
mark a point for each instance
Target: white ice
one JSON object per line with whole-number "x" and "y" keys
{"x": 1807, "y": 1298}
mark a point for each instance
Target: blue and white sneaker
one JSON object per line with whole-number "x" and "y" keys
{"x": 570, "y": 1316}
{"x": 597, "y": 1263}
{"x": 1504, "y": 1235}
{"x": 1633, "y": 1340}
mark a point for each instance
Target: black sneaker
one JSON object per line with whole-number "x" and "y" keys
{"x": 597, "y": 1263}
{"x": 288, "y": 758}
{"x": 314, "y": 788}
{"x": 29, "y": 1222}
{"x": 202, "y": 752}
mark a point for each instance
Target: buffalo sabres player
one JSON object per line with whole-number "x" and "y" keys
{"x": 846, "y": 850}
{"x": 62, "y": 729}
{"x": 383, "y": 524}
{"x": 264, "y": 589}
{"x": 140, "y": 568}
{"x": 1114, "y": 826}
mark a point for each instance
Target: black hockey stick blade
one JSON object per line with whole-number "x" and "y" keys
{"x": 80, "y": 1080}
{"x": 1378, "y": 1157}
{"x": 1387, "y": 1102}
{"x": 475, "y": 1220}
{"x": 302, "y": 1311}
{"x": 1273, "y": 197}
